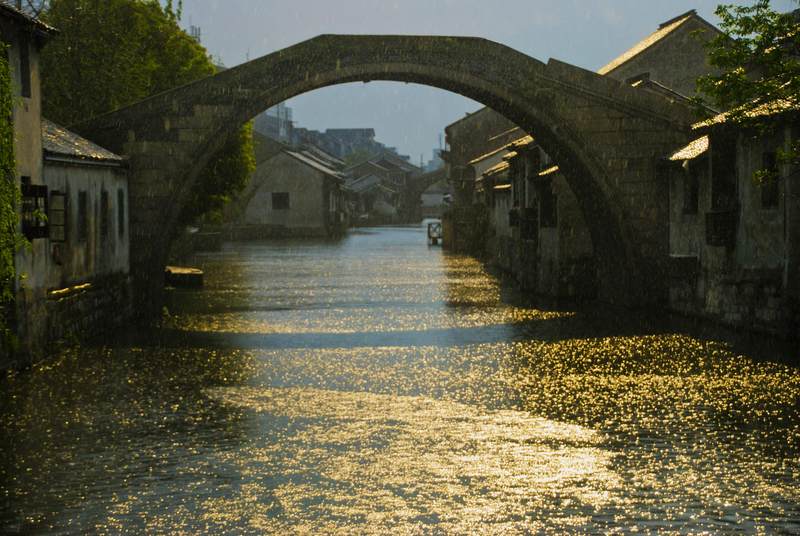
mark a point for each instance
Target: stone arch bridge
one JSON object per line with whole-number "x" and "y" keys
{"x": 605, "y": 136}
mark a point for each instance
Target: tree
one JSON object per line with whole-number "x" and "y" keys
{"x": 225, "y": 174}
{"x": 758, "y": 54}
{"x": 111, "y": 53}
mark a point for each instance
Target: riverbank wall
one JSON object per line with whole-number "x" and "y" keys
{"x": 48, "y": 318}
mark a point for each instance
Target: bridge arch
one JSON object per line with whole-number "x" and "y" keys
{"x": 591, "y": 126}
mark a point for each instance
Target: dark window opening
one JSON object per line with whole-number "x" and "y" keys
{"x": 25, "y": 68}
{"x": 280, "y": 200}
{"x": 34, "y": 209}
{"x": 770, "y": 192}
{"x": 105, "y": 215}
{"x": 723, "y": 172}
{"x": 721, "y": 227}
{"x": 548, "y": 205}
{"x": 518, "y": 182}
{"x": 121, "y": 212}
{"x": 529, "y": 224}
{"x": 57, "y": 216}
{"x": 83, "y": 217}
{"x": 691, "y": 190}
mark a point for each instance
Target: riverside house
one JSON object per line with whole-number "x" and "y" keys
{"x": 73, "y": 279}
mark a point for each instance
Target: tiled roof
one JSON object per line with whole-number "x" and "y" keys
{"x": 57, "y": 140}
{"x": 312, "y": 162}
{"x": 397, "y": 161}
{"x": 496, "y": 169}
{"x": 521, "y": 142}
{"x": 518, "y": 143}
{"x": 663, "y": 31}
{"x": 764, "y": 110}
{"x": 549, "y": 171}
{"x": 323, "y": 156}
{"x": 691, "y": 151}
{"x": 487, "y": 155}
{"x": 365, "y": 163}
{"x": 506, "y": 133}
{"x": 14, "y": 13}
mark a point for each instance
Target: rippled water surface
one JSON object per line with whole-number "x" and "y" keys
{"x": 376, "y": 385}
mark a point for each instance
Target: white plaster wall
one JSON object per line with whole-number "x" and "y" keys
{"x": 761, "y": 237}
{"x": 49, "y": 265}
{"x": 304, "y": 185}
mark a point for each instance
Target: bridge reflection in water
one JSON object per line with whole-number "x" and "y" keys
{"x": 377, "y": 385}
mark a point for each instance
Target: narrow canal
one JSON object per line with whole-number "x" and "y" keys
{"x": 377, "y": 385}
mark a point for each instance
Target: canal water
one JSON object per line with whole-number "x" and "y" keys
{"x": 377, "y": 385}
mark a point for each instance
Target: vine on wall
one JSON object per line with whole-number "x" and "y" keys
{"x": 9, "y": 197}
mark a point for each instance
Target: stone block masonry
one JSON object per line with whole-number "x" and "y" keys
{"x": 581, "y": 119}
{"x": 72, "y": 314}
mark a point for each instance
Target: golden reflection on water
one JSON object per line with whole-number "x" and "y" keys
{"x": 356, "y": 320}
{"x": 336, "y": 389}
{"x": 395, "y": 462}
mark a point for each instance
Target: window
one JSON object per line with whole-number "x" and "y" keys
{"x": 83, "y": 217}
{"x": 723, "y": 172}
{"x": 529, "y": 224}
{"x": 34, "y": 209}
{"x": 691, "y": 190}
{"x": 121, "y": 212}
{"x": 280, "y": 200}
{"x": 25, "y": 68}
{"x": 769, "y": 184}
{"x": 57, "y": 216}
{"x": 105, "y": 214}
{"x": 548, "y": 205}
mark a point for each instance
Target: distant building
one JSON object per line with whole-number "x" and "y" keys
{"x": 73, "y": 212}
{"x": 276, "y": 123}
{"x": 436, "y": 162}
{"x": 536, "y": 230}
{"x": 293, "y": 192}
{"x": 344, "y": 142}
{"x": 436, "y": 198}
{"x": 468, "y": 138}
{"x": 196, "y": 33}
{"x": 377, "y": 200}
{"x": 670, "y": 60}
{"x": 381, "y": 181}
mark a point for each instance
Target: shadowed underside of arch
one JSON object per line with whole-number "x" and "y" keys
{"x": 605, "y": 136}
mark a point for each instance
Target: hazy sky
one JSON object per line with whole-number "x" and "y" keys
{"x": 582, "y": 32}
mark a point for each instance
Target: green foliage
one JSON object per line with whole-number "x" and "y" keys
{"x": 9, "y": 195}
{"x": 759, "y": 58}
{"x": 224, "y": 176}
{"x": 759, "y": 55}
{"x": 111, "y": 53}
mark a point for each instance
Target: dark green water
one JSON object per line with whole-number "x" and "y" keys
{"x": 376, "y": 385}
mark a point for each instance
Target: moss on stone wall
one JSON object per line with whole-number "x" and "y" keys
{"x": 9, "y": 195}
